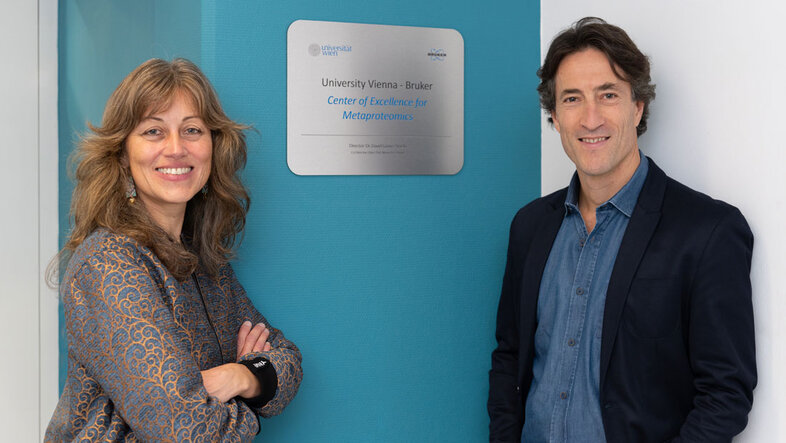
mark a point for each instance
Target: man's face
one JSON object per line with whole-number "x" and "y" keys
{"x": 596, "y": 118}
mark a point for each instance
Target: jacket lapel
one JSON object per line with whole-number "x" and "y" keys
{"x": 535, "y": 263}
{"x": 637, "y": 236}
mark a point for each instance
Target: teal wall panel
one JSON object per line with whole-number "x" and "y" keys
{"x": 388, "y": 284}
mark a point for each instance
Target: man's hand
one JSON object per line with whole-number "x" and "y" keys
{"x": 230, "y": 380}
{"x": 252, "y": 339}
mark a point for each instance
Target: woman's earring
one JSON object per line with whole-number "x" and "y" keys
{"x": 204, "y": 191}
{"x": 131, "y": 191}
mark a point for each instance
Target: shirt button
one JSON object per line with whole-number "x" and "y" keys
{"x": 571, "y": 342}
{"x": 563, "y": 395}
{"x": 579, "y": 291}
{"x": 581, "y": 243}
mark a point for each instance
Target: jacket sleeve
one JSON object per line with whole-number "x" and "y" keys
{"x": 504, "y": 403}
{"x": 122, "y": 331}
{"x": 284, "y": 355}
{"x": 721, "y": 337}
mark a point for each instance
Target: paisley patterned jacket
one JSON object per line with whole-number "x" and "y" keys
{"x": 137, "y": 341}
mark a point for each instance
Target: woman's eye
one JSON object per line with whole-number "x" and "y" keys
{"x": 193, "y": 131}
{"x": 152, "y": 131}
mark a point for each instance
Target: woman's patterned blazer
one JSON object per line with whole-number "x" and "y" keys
{"x": 137, "y": 341}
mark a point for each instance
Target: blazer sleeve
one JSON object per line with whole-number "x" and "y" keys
{"x": 504, "y": 405}
{"x": 721, "y": 335}
{"x": 284, "y": 355}
{"x": 120, "y": 329}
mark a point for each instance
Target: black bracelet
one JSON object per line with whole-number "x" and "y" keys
{"x": 264, "y": 371}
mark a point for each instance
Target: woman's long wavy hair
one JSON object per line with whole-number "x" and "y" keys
{"x": 213, "y": 221}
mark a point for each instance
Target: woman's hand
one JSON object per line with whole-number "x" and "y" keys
{"x": 230, "y": 380}
{"x": 252, "y": 339}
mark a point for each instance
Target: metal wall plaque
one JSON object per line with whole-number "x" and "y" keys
{"x": 374, "y": 99}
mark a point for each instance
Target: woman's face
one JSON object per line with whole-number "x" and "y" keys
{"x": 169, "y": 155}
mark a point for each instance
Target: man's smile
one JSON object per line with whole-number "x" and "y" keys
{"x": 593, "y": 140}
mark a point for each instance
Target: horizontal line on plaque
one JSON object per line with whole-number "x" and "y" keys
{"x": 375, "y": 135}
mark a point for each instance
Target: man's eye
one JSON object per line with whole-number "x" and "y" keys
{"x": 571, "y": 99}
{"x": 609, "y": 95}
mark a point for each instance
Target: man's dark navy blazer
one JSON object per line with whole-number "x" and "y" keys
{"x": 677, "y": 360}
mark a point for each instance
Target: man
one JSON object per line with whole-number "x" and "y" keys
{"x": 625, "y": 313}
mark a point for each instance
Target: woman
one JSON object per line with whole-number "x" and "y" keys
{"x": 161, "y": 343}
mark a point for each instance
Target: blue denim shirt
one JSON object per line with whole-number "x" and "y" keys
{"x": 563, "y": 403}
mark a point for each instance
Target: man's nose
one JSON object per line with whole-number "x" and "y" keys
{"x": 592, "y": 116}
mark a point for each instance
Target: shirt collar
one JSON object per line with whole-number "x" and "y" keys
{"x": 624, "y": 200}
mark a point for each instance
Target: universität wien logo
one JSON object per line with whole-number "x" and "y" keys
{"x": 316, "y": 49}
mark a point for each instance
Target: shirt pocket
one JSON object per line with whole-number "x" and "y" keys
{"x": 653, "y": 307}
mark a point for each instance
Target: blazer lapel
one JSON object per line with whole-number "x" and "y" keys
{"x": 535, "y": 263}
{"x": 637, "y": 236}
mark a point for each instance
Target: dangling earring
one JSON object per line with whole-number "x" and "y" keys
{"x": 204, "y": 191}
{"x": 131, "y": 191}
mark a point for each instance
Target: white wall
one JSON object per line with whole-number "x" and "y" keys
{"x": 28, "y": 226}
{"x": 717, "y": 126}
